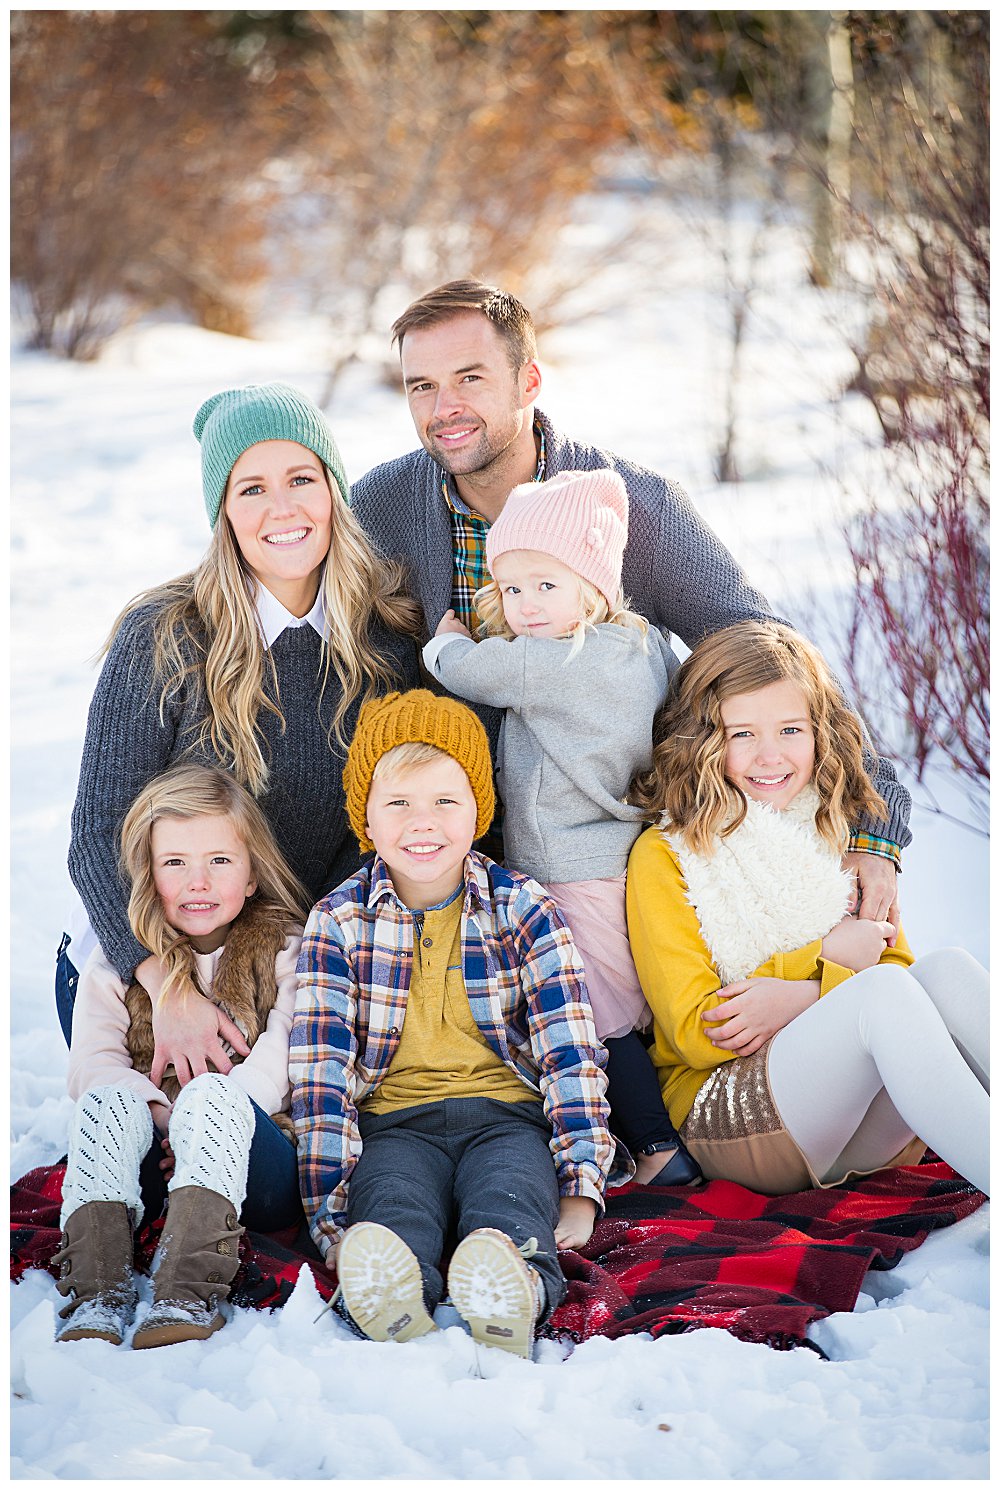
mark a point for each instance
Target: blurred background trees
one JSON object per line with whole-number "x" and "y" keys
{"x": 225, "y": 164}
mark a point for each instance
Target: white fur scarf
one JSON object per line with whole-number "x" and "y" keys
{"x": 772, "y": 885}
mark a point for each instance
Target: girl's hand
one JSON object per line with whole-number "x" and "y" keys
{"x": 186, "y": 1029}
{"x": 858, "y": 944}
{"x": 577, "y": 1215}
{"x": 449, "y": 622}
{"x": 755, "y": 1009}
{"x": 161, "y": 1129}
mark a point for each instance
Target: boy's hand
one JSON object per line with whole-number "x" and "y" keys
{"x": 330, "y": 1260}
{"x": 858, "y": 944}
{"x": 449, "y": 622}
{"x": 577, "y": 1215}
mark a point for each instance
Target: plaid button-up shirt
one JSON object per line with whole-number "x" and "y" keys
{"x": 524, "y": 981}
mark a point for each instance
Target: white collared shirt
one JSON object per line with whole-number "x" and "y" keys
{"x": 274, "y": 619}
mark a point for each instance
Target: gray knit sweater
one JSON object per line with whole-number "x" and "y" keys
{"x": 576, "y": 730}
{"x": 127, "y": 744}
{"x": 676, "y": 572}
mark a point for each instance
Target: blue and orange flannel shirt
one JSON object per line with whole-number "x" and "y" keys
{"x": 524, "y": 980}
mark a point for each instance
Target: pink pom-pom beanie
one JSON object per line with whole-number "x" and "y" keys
{"x": 580, "y": 517}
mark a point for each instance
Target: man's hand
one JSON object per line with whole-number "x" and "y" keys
{"x": 577, "y": 1215}
{"x": 877, "y": 887}
{"x": 757, "y": 1008}
{"x": 449, "y": 622}
{"x": 857, "y": 944}
{"x": 186, "y": 1029}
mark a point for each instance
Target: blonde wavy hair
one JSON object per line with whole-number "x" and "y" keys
{"x": 206, "y": 625}
{"x": 190, "y": 791}
{"x": 594, "y": 612}
{"x": 686, "y": 784}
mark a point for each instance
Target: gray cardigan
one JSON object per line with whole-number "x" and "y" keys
{"x": 576, "y": 730}
{"x": 676, "y": 572}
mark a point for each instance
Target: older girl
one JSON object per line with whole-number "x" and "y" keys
{"x": 213, "y": 898}
{"x": 257, "y": 661}
{"x": 796, "y": 1045}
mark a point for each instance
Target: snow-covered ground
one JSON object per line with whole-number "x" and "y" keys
{"x": 106, "y": 500}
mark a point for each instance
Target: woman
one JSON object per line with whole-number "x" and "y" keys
{"x": 257, "y": 662}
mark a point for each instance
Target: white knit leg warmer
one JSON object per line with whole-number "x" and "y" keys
{"x": 110, "y": 1135}
{"x": 211, "y": 1128}
{"x": 872, "y": 1064}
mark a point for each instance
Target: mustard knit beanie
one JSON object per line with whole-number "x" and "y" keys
{"x": 579, "y": 517}
{"x": 230, "y": 422}
{"x": 402, "y": 718}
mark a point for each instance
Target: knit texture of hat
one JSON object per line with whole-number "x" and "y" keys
{"x": 580, "y": 517}
{"x": 230, "y": 422}
{"x": 401, "y": 718}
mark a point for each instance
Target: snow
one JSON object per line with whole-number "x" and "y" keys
{"x": 106, "y": 500}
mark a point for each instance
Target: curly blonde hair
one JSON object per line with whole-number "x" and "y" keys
{"x": 189, "y": 791}
{"x": 206, "y": 626}
{"x": 686, "y": 784}
{"x": 594, "y": 611}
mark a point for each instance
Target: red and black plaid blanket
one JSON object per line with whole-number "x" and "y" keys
{"x": 661, "y": 1260}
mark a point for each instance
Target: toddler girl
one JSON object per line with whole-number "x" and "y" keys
{"x": 212, "y": 897}
{"x": 581, "y": 677}
{"x": 795, "y": 1044}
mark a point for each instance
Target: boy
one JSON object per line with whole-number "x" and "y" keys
{"x": 444, "y": 1064}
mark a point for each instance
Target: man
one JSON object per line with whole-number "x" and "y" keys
{"x": 471, "y": 377}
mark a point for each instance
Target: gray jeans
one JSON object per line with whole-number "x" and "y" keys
{"x": 434, "y": 1173}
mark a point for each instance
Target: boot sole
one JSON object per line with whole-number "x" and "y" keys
{"x": 381, "y": 1283}
{"x": 493, "y": 1289}
{"x": 173, "y": 1333}
{"x": 85, "y": 1334}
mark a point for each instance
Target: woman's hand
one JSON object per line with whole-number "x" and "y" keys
{"x": 188, "y": 1029}
{"x": 858, "y": 944}
{"x": 755, "y": 1009}
{"x": 577, "y": 1215}
{"x": 449, "y": 622}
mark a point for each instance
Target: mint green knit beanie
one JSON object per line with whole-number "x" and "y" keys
{"x": 230, "y": 422}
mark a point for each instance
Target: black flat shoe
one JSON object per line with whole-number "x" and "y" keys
{"x": 680, "y": 1169}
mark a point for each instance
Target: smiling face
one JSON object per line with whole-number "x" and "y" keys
{"x": 203, "y": 876}
{"x": 279, "y": 506}
{"x": 770, "y": 745}
{"x": 471, "y": 410}
{"x": 422, "y": 821}
{"x": 541, "y": 595}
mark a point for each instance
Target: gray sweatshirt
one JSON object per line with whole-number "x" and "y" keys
{"x": 575, "y": 732}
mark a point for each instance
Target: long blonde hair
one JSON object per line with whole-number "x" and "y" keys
{"x": 594, "y": 612}
{"x": 189, "y": 791}
{"x": 206, "y": 626}
{"x": 687, "y": 781}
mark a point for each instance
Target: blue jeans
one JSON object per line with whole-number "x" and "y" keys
{"x": 443, "y": 1169}
{"x": 67, "y": 979}
{"x": 273, "y": 1201}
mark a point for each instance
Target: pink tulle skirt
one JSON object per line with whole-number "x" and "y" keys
{"x": 594, "y": 911}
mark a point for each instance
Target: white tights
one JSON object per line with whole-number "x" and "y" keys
{"x": 890, "y": 1054}
{"x": 211, "y": 1128}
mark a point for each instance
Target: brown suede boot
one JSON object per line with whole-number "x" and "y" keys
{"x": 96, "y": 1270}
{"x": 198, "y": 1256}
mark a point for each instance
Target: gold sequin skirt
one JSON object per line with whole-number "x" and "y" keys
{"x": 735, "y": 1132}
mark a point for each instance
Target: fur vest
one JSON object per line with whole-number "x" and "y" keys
{"x": 244, "y": 987}
{"x": 772, "y": 885}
